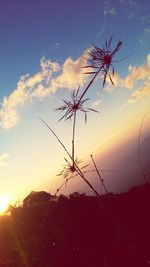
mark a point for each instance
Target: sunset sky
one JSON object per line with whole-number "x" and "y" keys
{"x": 41, "y": 54}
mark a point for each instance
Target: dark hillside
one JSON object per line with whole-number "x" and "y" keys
{"x": 79, "y": 231}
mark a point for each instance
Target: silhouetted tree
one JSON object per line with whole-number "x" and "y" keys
{"x": 36, "y": 198}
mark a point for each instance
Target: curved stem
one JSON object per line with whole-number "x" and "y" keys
{"x": 56, "y": 138}
{"x": 139, "y": 152}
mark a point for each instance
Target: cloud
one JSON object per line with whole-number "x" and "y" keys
{"x": 129, "y": 3}
{"x": 54, "y": 46}
{"x": 27, "y": 88}
{"x": 140, "y": 93}
{"x": 72, "y": 74}
{"x": 130, "y": 8}
{"x": 109, "y": 9}
{"x": 118, "y": 82}
{"x": 141, "y": 41}
{"x": 133, "y": 3}
{"x": 4, "y": 160}
{"x": 102, "y": 29}
{"x": 137, "y": 73}
{"x": 147, "y": 30}
{"x": 47, "y": 81}
{"x": 97, "y": 103}
{"x": 145, "y": 18}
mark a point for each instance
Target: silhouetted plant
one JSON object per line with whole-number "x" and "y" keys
{"x": 101, "y": 60}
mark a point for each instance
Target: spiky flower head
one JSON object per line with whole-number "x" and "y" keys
{"x": 72, "y": 106}
{"x": 70, "y": 169}
{"x": 101, "y": 59}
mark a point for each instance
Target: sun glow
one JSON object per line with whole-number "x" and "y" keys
{"x": 4, "y": 203}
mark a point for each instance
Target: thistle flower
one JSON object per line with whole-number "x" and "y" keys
{"x": 72, "y": 106}
{"x": 70, "y": 168}
{"x": 101, "y": 59}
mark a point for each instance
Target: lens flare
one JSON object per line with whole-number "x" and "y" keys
{"x": 4, "y": 203}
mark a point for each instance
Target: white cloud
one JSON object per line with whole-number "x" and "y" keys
{"x": 129, "y": 3}
{"x": 40, "y": 85}
{"x": 72, "y": 74}
{"x": 145, "y": 18}
{"x": 118, "y": 82}
{"x": 133, "y": 3}
{"x": 53, "y": 76}
{"x": 110, "y": 11}
{"x": 137, "y": 74}
{"x": 54, "y": 46}
{"x": 140, "y": 93}
{"x": 141, "y": 41}
{"x": 97, "y": 103}
{"x": 147, "y": 30}
{"x": 4, "y": 160}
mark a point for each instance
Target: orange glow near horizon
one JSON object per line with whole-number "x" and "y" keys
{"x": 127, "y": 130}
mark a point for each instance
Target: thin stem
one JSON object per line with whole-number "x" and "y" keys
{"x": 84, "y": 92}
{"x": 99, "y": 175}
{"x": 62, "y": 185}
{"x": 73, "y": 136}
{"x": 102, "y": 170}
{"x": 56, "y": 138}
{"x": 89, "y": 184}
{"x": 139, "y": 151}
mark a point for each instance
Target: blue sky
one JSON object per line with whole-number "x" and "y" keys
{"x": 41, "y": 54}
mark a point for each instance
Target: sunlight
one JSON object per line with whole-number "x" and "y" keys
{"x": 4, "y": 203}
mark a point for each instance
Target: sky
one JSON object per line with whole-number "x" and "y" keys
{"x": 42, "y": 52}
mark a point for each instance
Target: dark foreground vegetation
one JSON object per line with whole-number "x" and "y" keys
{"x": 80, "y": 231}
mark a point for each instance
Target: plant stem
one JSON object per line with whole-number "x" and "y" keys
{"x": 84, "y": 92}
{"x": 56, "y": 137}
{"x": 99, "y": 175}
{"x": 73, "y": 136}
{"x": 139, "y": 151}
{"x": 62, "y": 185}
